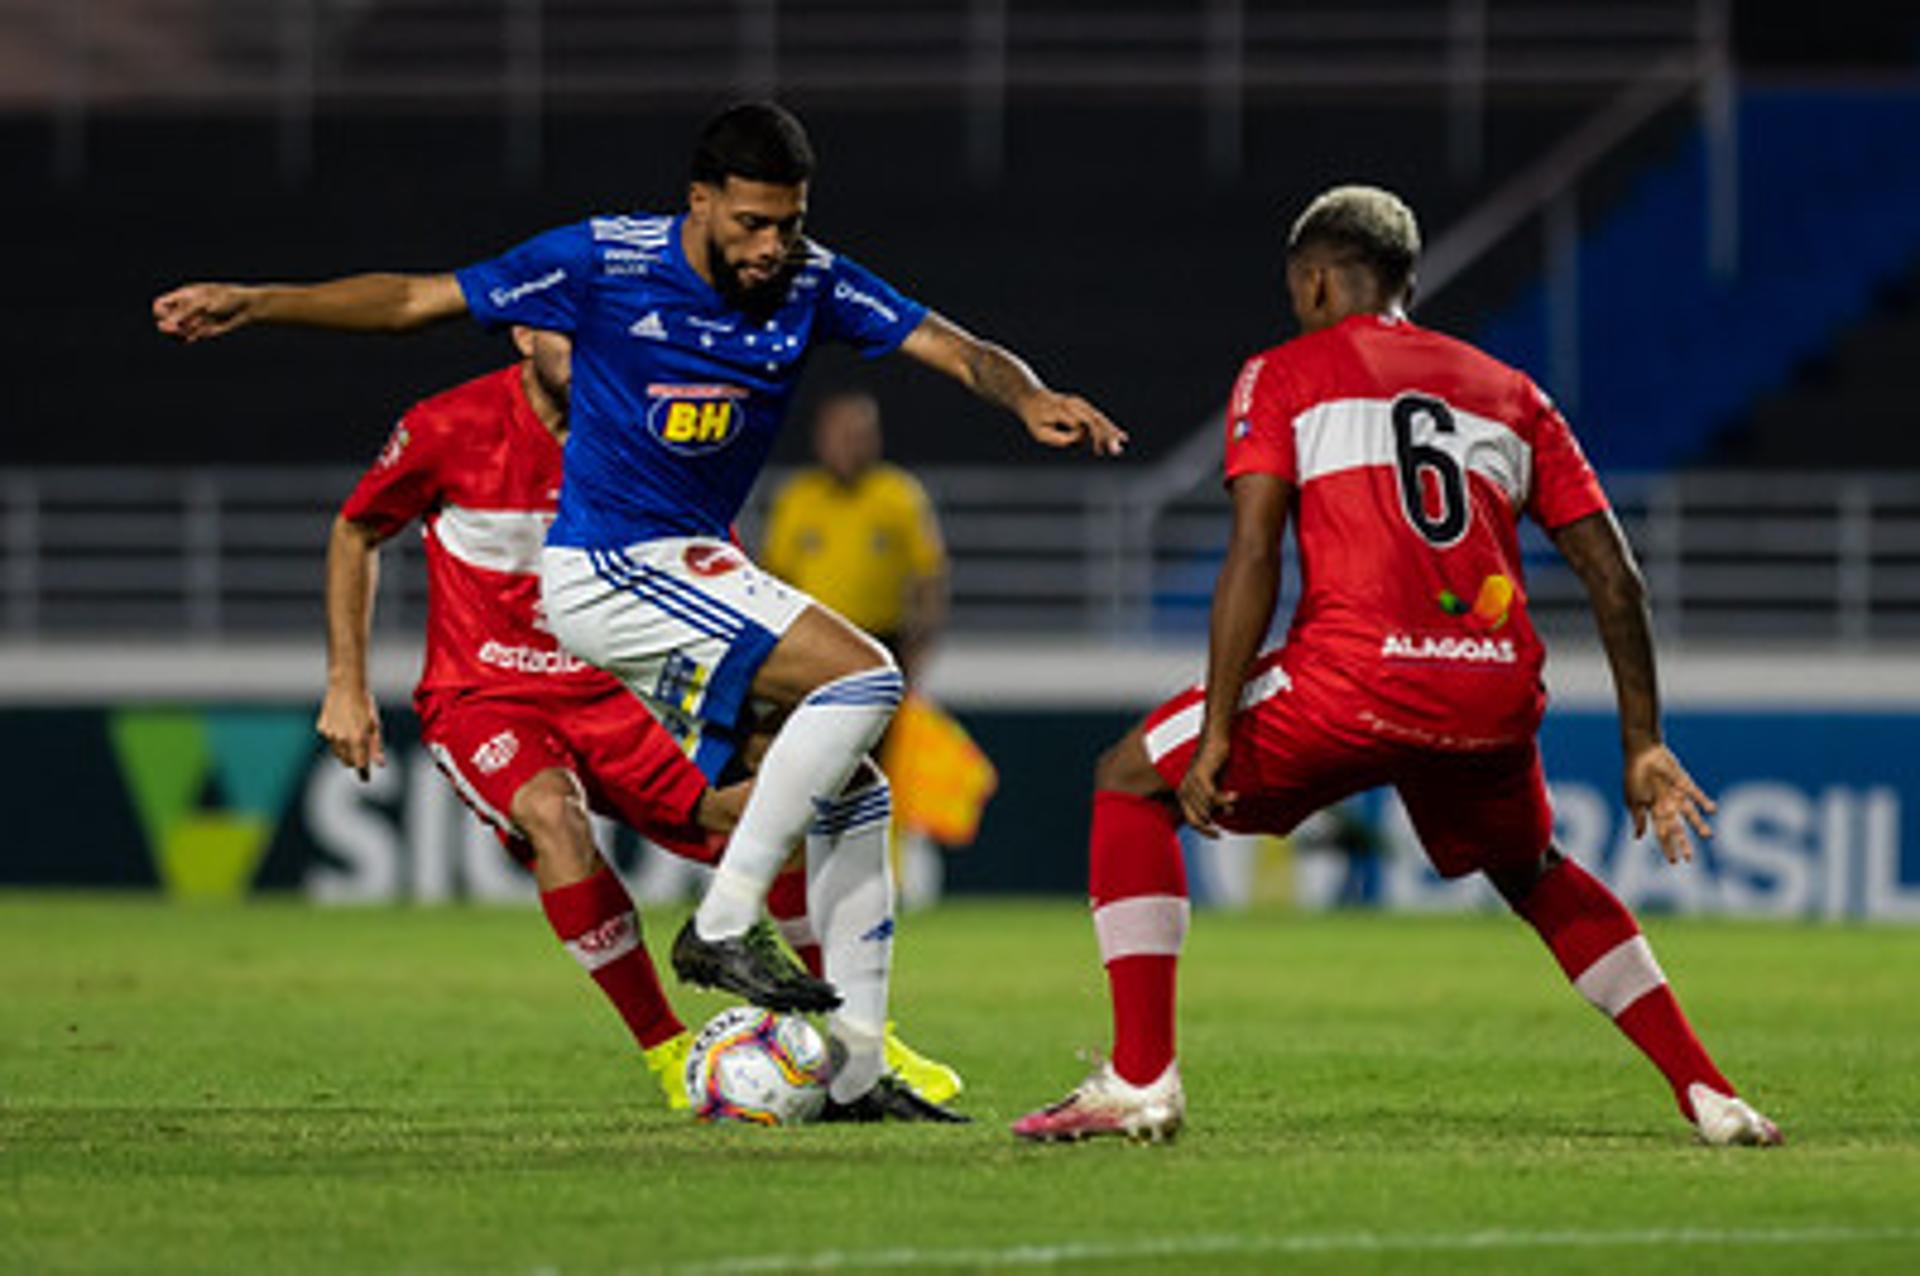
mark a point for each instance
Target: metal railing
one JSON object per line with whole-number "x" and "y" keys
{"x": 1096, "y": 553}
{"x": 524, "y": 59}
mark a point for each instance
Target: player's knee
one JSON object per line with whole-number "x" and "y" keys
{"x": 865, "y": 656}
{"x": 550, "y": 810}
{"x": 819, "y": 649}
{"x": 865, "y": 672}
{"x": 840, "y": 650}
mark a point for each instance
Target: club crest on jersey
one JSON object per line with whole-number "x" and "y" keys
{"x": 496, "y": 753}
{"x": 693, "y": 419}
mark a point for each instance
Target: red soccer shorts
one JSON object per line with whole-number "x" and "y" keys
{"x": 631, "y": 769}
{"x": 1472, "y": 811}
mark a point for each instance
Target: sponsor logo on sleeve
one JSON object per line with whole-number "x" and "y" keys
{"x": 395, "y": 448}
{"x": 1243, "y": 388}
{"x": 844, "y": 291}
{"x": 695, "y": 419}
{"x": 504, "y": 297}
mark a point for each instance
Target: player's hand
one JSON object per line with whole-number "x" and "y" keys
{"x": 1065, "y": 420}
{"x": 1202, "y": 801}
{"x": 1658, "y": 789}
{"x": 195, "y": 312}
{"x": 719, "y": 809}
{"x": 350, "y": 724}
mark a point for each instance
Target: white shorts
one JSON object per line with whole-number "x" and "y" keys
{"x": 685, "y": 622}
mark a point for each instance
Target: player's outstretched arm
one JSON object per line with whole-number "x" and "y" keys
{"x": 357, "y": 303}
{"x": 1243, "y": 602}
{"x": 349, "y": 719}
{"x": 1001, "y": 377}
{"x": 1656, "y": 786}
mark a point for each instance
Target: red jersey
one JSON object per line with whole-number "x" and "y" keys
{"x": 482, "y": 473}
{"x": 1413, "y": 456}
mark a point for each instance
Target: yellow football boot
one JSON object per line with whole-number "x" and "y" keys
{"x": 668, "y": 1064}
{"x": 930, "y": 1079}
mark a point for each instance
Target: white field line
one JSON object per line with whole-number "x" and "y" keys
{"x": 1177, "y": 1247}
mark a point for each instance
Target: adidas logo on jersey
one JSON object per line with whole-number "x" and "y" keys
{"x": 1471, "y": 650}
{"x": 649, "y": 326}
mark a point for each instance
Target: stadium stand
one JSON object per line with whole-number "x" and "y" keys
{"x": 1673, "y": 355}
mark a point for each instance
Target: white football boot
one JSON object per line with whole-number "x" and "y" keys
{"x": 1106, "y": 1104}
{"x": 1726, "y": 1120}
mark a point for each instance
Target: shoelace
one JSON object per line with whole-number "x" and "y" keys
{"x": 764, "y": 944}
{"x": 1061, "y": 1105}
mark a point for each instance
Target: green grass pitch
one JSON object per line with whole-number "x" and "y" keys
{"x": 279, "y": 1089}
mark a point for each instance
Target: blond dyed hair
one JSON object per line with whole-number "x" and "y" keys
{"x": 1362, "y": 225}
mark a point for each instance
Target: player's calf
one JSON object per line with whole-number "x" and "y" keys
{"x": 844, "y": 688}
{"x": 595, "y": 921}
{"x": 1141, "y": 913}
{"x": 1603, "y": 953}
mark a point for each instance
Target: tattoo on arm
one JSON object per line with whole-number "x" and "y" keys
{"x": 998, "y": 375}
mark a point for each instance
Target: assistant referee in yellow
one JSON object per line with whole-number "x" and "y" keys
{"x": 860, "y": 535}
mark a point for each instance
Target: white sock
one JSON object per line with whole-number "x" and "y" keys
{"x": 811, "y": 758}
{"x": 850, "y": 901}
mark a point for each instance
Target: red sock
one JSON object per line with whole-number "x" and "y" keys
{"x": 787, "y": 905}
{"x": 595, "y": 920}
{"x": 1599, "y": 946}
{"x": 1139, "y": 888}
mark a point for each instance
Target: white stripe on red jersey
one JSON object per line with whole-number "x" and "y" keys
{"x": 1348, "y": 433}
{"x": 1413, "y": 455}
{"x": 497, "y": 540}
{"x": 482, "y": 474}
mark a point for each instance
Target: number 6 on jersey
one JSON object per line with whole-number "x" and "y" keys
{"x": 1439, "y": 513}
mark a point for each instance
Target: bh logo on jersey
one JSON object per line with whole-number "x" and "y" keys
{"x": 692, "y": 419}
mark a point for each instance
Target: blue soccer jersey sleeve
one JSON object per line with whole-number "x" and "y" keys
{"x": 866, "y": 311}
{"x": 541, "y": 283}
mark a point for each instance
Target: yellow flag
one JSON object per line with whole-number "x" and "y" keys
{"x": 941, "y": 779}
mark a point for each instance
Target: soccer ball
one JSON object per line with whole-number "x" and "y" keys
{"x": 756, "y": 1066}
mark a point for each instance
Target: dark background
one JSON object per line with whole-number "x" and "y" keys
{"x": 1105, "y": 252}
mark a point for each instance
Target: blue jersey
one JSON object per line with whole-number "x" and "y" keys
{"x": 676, "y": 396}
